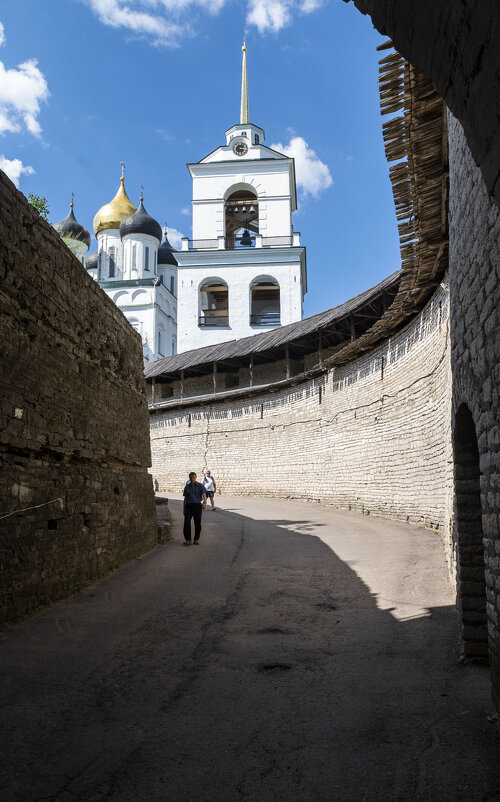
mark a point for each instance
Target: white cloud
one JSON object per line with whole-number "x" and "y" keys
{"x": 22, "y": 89}
{"x": 15, "y": 169}
{"x": 175, "y": 237}
{"x": 269, "y": 15}
{"x": 158, "y": 20}
{"x": 2, "y": 34}
{"x": 187, "y": 211}
{"x": 164, "y": 22}
{"x": 273, "y": 15}
{"x": 313, "y": 176}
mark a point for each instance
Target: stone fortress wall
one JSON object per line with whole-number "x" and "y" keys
{"x": 73, "y": 420}
{"x": 372, "y": 436}
{"x": 475, "y": 358}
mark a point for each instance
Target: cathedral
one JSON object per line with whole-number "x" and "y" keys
{"x": 243, "y": 271}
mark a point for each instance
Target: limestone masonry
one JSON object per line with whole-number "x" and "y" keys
{"x": 73, "y": 423}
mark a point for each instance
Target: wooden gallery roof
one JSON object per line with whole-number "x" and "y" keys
{"x": 415, "y": 139}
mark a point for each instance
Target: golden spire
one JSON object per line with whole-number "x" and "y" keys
{"x": 244, "y": 120}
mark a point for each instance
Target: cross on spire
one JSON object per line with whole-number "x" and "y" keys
{"x": 72, "y": 200}
{"x": 123, "y": 169}
{"x": 142, "y": 193}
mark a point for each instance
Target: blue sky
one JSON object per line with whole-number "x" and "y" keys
{"x": 86, "y": 84}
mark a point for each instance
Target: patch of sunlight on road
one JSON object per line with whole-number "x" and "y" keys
{"x": 398, "y": 587}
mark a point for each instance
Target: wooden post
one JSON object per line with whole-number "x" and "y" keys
{"x": 320, "y": 347}
{"x": 287, "y": 358}
{"x": 251, "y": 370}
{"x": 182, "y": 384}
{"x": 153, "y": 390}
{"x": 353, "y": 329}
{"x": 214, "y": 376}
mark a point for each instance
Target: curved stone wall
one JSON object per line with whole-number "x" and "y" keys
{"x": 372, "y": 436}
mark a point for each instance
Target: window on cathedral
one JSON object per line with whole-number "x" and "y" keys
{"x": 99, "y": 266}
{"x": 112, "y": 262}
{"x": 257, "y": 139}
{"x": 172, "y": 285}
{"x": 154, "y": 261}
{"x": 173, "y": 346}
{"x": 146, "y": 259}
{"x": 160, "y": 343}
{"x": 265, "y": 303}
{"x": 134, "y": 257}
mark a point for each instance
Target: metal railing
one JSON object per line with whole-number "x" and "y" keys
{"x": 267, "y": 319}
{"x": 233, "y": 243}
{"x": 213, "y": 320}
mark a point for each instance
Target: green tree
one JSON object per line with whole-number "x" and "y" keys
{"x": 40, "y": 203}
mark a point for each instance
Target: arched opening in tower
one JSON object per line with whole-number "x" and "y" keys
{"x": 265, "y": 302}
{"x": 214, "y": 303}
{"x": 471, "y": 582}
{"x": 242, "y": 219}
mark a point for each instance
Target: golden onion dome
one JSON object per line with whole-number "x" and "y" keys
{"x": 111, "y": 214}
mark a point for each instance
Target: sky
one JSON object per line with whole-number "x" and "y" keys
{"x": 86, "y": 84}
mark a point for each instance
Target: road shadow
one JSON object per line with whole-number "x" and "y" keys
{"x": 256, "y": 667}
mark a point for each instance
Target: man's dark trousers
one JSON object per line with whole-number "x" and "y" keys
{"x": 192, "y": 511}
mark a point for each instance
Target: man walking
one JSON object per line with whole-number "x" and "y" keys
{"x": 210, "y": 487}
{"x": 195, "y": 500}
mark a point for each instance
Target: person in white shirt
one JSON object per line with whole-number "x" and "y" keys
{"x": 210, "y": 488}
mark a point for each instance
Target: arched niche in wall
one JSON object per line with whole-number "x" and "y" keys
{"x": 213, "y": 303}
{"x": 140, "y": 297}
{"x": 120, "y": 297}
{"x": 471, "y": 582}
{"x": 265, "y": 304}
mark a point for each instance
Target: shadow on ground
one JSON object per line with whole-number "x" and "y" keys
{"x": 255, "y": 667}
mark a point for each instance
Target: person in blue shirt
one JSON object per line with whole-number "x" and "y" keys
{"x": 195, "y": 501}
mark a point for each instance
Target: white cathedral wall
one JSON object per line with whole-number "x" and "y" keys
{"x": 140, "y": 242}
{"x": 106, "y": 239}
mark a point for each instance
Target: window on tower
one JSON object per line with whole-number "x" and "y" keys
{"x": 172, "y": 285}
{"x": 264, "y": 302}
{"x": 214, "y": 303}
{"x": 146, "y": 259}
{"x": 257, "y": 139}
{"x": 134, "y": 257}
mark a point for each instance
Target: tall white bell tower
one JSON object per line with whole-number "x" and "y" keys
{"x": 244, "y": 270}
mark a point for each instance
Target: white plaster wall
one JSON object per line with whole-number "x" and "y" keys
{"x": 270, "y": 180}
{"x": 238, "y": 278}
{"x": 106, "y": 239}
{"x": 141, "y": 242}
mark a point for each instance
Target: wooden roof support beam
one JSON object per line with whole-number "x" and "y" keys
{"x": 214, "y": 376}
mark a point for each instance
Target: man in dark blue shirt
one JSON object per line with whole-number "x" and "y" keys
{"x": 195, "y": 500}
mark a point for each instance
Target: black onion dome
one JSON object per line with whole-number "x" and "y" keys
{"x": 140, "y": 223}
{"x": 70, "y": 227}
{"x": 91, "y": 261}
{"x": 166, "y": 253}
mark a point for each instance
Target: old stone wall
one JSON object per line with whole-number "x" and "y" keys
{"x": 475, "y": 343}
{"x": 74, "y": 438}
{"x": 373, "y": 436}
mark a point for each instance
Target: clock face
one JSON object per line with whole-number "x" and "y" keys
{"x": 240, "y": 148}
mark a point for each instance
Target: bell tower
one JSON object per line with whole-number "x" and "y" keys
{"x": 244, "y": 270}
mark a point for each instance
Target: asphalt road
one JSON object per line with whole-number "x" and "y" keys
{"x": 299, "y": 654}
